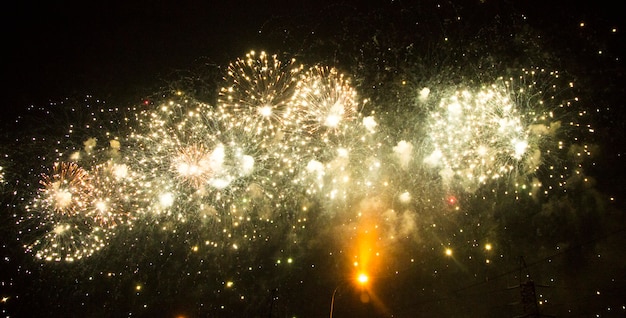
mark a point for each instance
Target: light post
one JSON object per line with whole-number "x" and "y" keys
{"x": 361, "y": 279}
{"x": 332, "y": 301}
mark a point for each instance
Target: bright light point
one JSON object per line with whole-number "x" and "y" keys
{"x": 405, "y": 197}
{"x": 114, "y": 144}
{"x": 75, "y": 156}
{"x": 362, "y": 278}
{"x": 247, "y": 165}
{"x": 138, "y": 287}
{"x": 488, "y": 247}
{"x": 62, "y": 198}
{"x": 404, "y": 153}
{"x": 520, "y": 148}
{"x": 451, "y": 200}
{"x": 332, "y": 121}
{"x": 481, "y": 151}
{"x": 229, "y": 284}
{"x": 265, "y": 111}
{"x": 423, "y": 94}
{"x": 434, "y": 158}
{"x": 166, "y": 199}
{"x": 101, "y": 206}
{"x": 120, "y": 171}
{"x": 454, "y": 109}
{"x": 289, "y": 260}
{"x": 315, "y": 166}
{"x": 342, "y": 152}
{"x": 370, "y": 123}
{"x": 59, "y": 229}
{"x": 448, "y": 252}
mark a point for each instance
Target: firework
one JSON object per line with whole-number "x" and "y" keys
{"x": 258, "y": 94}
{"x": 113, "y": 200}
{"x": 173, "y": 145}
{"x": 190, "y": 159}
{"x": 198, "y": 166}
{"x": 67, "y": 190}
{"x": 508, "y": 130}
{"x": 68, "y": 241}
{"x": 324, "y": 101}
{"x": 64, "y": 218}
{"x": 282, "y": 141}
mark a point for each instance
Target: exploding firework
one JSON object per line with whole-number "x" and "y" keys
{"x": 509, "y": 130}
{"x": 336, "y": 149}
{"x": 335, "y": 171}
{"x": 324, "y": 101}
{"x": 68, "y": 241}
{"x": 113, "y": 200}
{"x": 282, "y": 142}
{"x": 192, "y": 162}
{"x": 197, "y": 166}
{"x": 67, "y": 190}
{"x": 258, "y": 93}
{"x": 64, "y": 218}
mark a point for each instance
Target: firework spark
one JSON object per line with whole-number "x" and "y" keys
{"x": 281, "y": 141}
{"x": 67, "y": 190}
{"x": 324, "y": 100}
{"x": 258, "y": 92}
{"x": 505, "y": 130}
{"x": 68, "y": 242}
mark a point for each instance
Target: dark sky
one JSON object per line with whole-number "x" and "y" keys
{"x": 117, "y": 47}
{"x": 454, "y": 250}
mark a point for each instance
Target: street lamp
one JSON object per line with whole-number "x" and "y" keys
{"x": 361, "y": 279}
{"x": 332, "y": 301}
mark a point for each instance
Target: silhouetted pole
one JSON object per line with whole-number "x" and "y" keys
{"x": 332, "y": 301}
{"x": 529, "y": 299}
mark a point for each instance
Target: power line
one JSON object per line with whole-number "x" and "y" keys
{"x": 538, "y": 261}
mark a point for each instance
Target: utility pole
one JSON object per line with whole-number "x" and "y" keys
{"x": 528, "y": 294}
{"x": 529, "y": 299}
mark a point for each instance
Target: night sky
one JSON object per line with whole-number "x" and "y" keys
{"x": 300, "y": 158}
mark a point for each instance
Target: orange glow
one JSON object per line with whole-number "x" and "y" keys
{"x": 367, "y": 254}
{"x": 366, "y": 259}
{"x": 362, "y": 278}
{"x": 367, "y": 249}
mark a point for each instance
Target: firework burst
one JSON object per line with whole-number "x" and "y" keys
{"x": 64, "y": 218}
{"x": 235, "y": 172}
{"x": 174, "y": 151}
{"x": 324, "y": 101}
{"x": 68, "y": 241}
{"x": 67, "y": 190}
{"x": 508, "y": 130}
{"x": 258, "y": 94}
{"x": 113, "y": 201}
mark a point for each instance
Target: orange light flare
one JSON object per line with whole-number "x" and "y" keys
{"x": 367, "y": 245}
{"x": 362, "y": 278}
{"x": 367, "y": 264}
{"x": 367, "y": 256}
